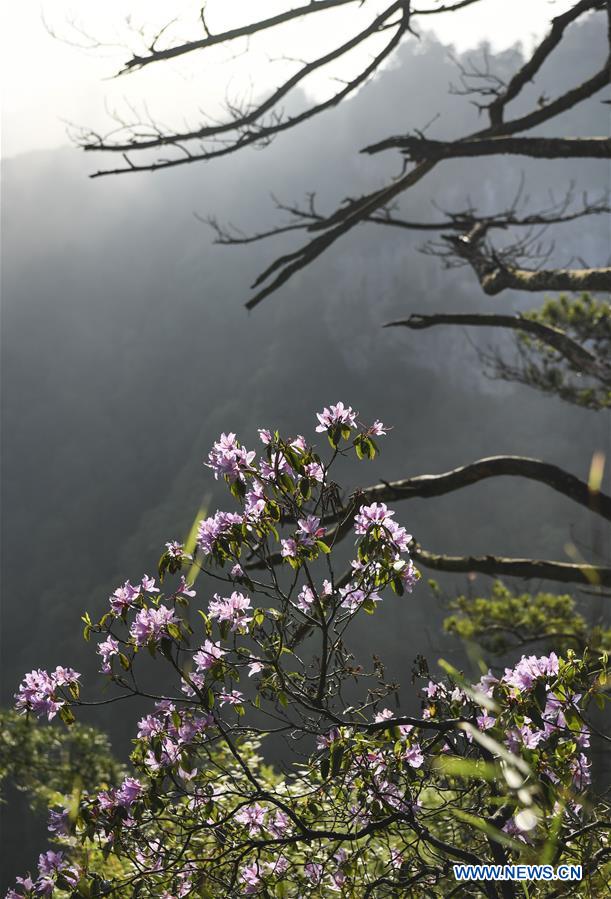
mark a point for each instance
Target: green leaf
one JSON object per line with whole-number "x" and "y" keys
{"x": 337, "y": 755}
{"x": 65, "y": 713}
{"x": 174, "y": 631}
{"x": 498, "y": 836}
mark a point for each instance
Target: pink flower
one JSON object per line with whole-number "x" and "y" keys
{"x": 107, "y": 649}
{"x": 305, "y": 600}
{"x": 148, "y": 584}
{"x": 233, "y": 698}
{"x": 150, "y": 726}
{"x": 150, "y": 625}
{"x": 232, "y": 609}
{"x": 38, "y": 691}
{"x": 378, "y": 429}
{"x": 309, "y": 530}
{"x": 228, "y": 459}
{"x": 176, "y": 550}
{"x": 208, "y": 655}
{"x": 251, "y": 877}
{"x": 289, "y": 548}
{"x": 129, "y": 791}
{"x": 353, "y": 597}
{"x": 123, "y": 598}
{"x": 211, "y": 529}
{"x": 312, "y": 870}
{"x": 279, "y": 825}
{"x": 334, "y": 415}
{"x": 323, "y": 741}
{"x": 184, "y": 588}
{"x": 485, "y": 721}
{"x": 255, "y": 503}
{"x": 413, "y": 756}
{"x": 379, "y": 515}
{"x": 529, "y": 669}
{"x": 253, "y": 816}
{"x": 314, "y": 470}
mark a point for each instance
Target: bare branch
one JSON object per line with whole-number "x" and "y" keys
{"x": 241, "y": 121}
{"x": 424, "y": 486}
{"x": 563, "y": 572}
{"x": 427, "y": 485}
{"x": 224, "y": 37}
{"x": 495, "y": 275}
{"x": 530, "y": 68}
{"x": 210, "y": 40}
{"x": 580, "y": 357}
{"x": 418, "y": 148}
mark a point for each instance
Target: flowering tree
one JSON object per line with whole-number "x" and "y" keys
{"x": 369, "y": 801}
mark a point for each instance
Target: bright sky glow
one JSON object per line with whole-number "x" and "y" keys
{"x": 48, "y": 83}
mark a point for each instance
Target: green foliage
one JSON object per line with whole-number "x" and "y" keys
{"x": 370, "y": 801}
{"x": 47, "y": 762}
{"x": 505, "y": 620}
{"x": 588, "y": 321}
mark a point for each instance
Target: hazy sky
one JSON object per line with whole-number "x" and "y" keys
{"x": 48, "y": 82}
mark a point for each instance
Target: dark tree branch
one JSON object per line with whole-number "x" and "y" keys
{"x": 494, "y": 276}
{"x": 527, "y": 72}
{"x": 252, "y": 117}
{"x": 419, "y": 148}
{"x": 550, "y": 110}
{"x": 581, "y": 358}
{"x": 576, "y": 280}
{"x": 250, "y": 131}
{"x": 344, "y": 219}
{"x": 428, "y": 485}
{"x": 305, "y": 218}
{"x": 563, "y": 572}
{"x": 259, "y": 122}
{"x": 338, "y": 224}
{"x": 424, "y": 486}
{"x": 224, "y": 37}
{"x": 211, "y": 40}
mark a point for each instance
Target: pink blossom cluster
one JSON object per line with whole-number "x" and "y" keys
{"x": 173, "y": 730}
{"x": 232, "y": 609}
{"x": 211, "y": 529}
{"x": 122, "y": 797}
{"x": 306, "y": 597}
{"x": 51, "y": 866}
{"x": 549, "y": 727}
{"x": 335, "y": 415}
{"x": 151, "y": 625}
{"x": 529, "y": 669}
{"x": 39, "y": 691}
{"x": 228, "y": 459}
{"x": 107, "y": 649}
{"x": 125, "y": 597}
{"x": 380, "y": 516}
